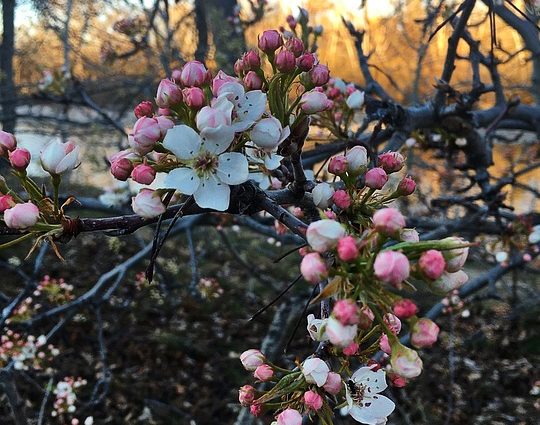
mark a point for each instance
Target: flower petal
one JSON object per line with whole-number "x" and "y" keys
{"x": 249, "y": 109}
{"x": 217, "y": 140}
{"x": 182, "y": 141}
{"x": 272, "y": 161}
{"x": 213, "y": 194}
{"x": 373, "y": 410}
{"x": 185, "y": 180}
{"x": 232, "y": 168}
{"x": 375, "y": 382}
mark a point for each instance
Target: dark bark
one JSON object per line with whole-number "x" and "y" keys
{"x": 7, "y": 50}
{"x": 202, "y": 30}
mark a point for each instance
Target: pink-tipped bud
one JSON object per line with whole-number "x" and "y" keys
{"x": 295, "y": 46}
{"x": 164, "y": 112}
{"x": 315, "y": 101}
{"x": 21, "y": 216}
{"x": 393, "y": 323}
{"x": 168, "y": 94}
{"x": 376, "y": 178}
{"x": 194, "y": 97}
{"x": 391, "y": 267}
{"x": 384, "y": 344}
{"x": 251, "y": 61}
{"x": 432, "y": 264}
{"x": 285, "y": 61}
{"x": 256, "y": 409}
{"x": 313, "y": 267}
{"x": 146, "y": 132}
{"x": 252, "y": 81}
{"x": 306, "y": 61}
{"x": 6, "y": 201}
{"x": 143, "y": 174}
{"x": 365, "y": 317}
{"x": 19, "y": 158}
{"x": 346, "y": 311}
{"x": 7, "y": 142}
{"x": 347, "y": 249}
{"x": 252, "y": 359}
{"x": 406, "y": 187}
{"x": 388, "y": 221}
{"x": 121, "y": 169}
{"x": 289, "y": 417}
{"x": 313, "y": 400}
{"x": 270, "y": 41}
{"x": 357, "y": 160}
{"x": 194, "y": 73}
{"x": 144, "y": 109}
{"x": 263, "y": 373}
{"x": 405, "y": 362}
{"x": 238, "y": 67}
{"x": 341, "y": 199}
{"x": 391, "y": 161}
{"x": 351, "y": 349}
{"x": 405, "y": 308}
{"x": 246, "y": 395}
{"x": 424, "y": 333}
{"x": 291, "y": 22}
{"x": 337, "y": 165}
{"x": 319, "y": 75}
{"x": 396, "y": 380}
{"x": 333, "y": 383}
{"x": 176, "y": 75}
{"x": 148, "y": 204}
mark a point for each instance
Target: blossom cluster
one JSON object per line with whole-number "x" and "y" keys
{"x": 65, "y": 393}
{"x": 26, "y": 353}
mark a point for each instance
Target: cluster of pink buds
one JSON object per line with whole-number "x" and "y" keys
{"x": 26, "y": 353}
{"x": 66, "y": 397}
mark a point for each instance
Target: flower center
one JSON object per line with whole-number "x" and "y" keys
{"x": 205, "y": 164}
{"x": 357, "y": 392}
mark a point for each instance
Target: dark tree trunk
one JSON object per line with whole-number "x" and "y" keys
{"x": 202, "y": 30}
{"x": 7, "y": 50}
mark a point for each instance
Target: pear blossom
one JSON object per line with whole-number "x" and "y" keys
{"x": 289, "y": 417}
{"x": 58, "y": 158}
{"x": 357, "y": 159}
{"x": 355, "y": 99}
{"x": 333, "y": 383}
{"x": 364, "y": 402}
{"x": 270, "y": 159}
{"x": 268, "y": 133}
{"x": 315, "y": 371}
{"x": 323, "y": 235}
{"x": 209, "y": 169}
{"x": 405, "y": 361}
{"x": 424, "y": 333}
{"x": 338, "y": 334}
{"x": 455, "y": 258}
{"x": 148, "y": 204}
{"x": 313, "y": 400}
{"x": 316, "y": 328}
{"x": 252, "y": 359}
{"x": 450, "y": 281}
{"x": 322, "y": 195}
{"x": 21, "y": 216}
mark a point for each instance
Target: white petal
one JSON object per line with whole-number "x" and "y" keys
{"x": 69, "y": 162}
{"x": 185, "y": 180}
{"x": 374, "y": 381}
{"x": 213, "y": 194}
{"x": 272, "y": 161}
{"x": 253, "y": 155}
{"x": 373, "y": 410}
{"x": 218, "y": 139}
{"x": 286, "y": 132}
{"x": 249, "y": 109}
{"x": 232, "y": 168}
{"x": 182, "y": 141}
{"x": 232, "y": 91}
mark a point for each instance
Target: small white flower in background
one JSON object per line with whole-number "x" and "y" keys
{"x": 534, "y": 236}
{"x": 461, "y": 141}
{"x": 410, "y": 142}
{"x": 322, "y": 195}
{"x": 364, "y": 403}
{"x": 89, "y": 420}
{"x": 501, "y": 256}
{"x": 436, "y": 137}
{"x": 340, "y": 84}
{"x": 210, "y": 170}
{"x": 315, "y": 371}
{"x": 316, "y": 328}
{"x": 356, "y": 99}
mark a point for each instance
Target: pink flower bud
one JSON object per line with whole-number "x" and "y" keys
{"x": 406, "y": 186}
{"x": 146, "y": 132}
{"x": 291, "y": 22}
{"x": 252, "y": 359}
{"x": 238, "y": 67}
{"x": 347, "y": 249}
{"x": 176, "y": 75}
{"x": 376, "y": 178}
{"x": 168, "y": 94}
{"x": 289, "y": 416}
{"x": 7, "y": 142}
{"x": 393, "y": 323}
{"x": 194, "y": 97}
{"x": 391, "y": 267}
{"x": 313, "y": 400}
{"x": 144, "y": 109}
{"x": 405, "y": 308}
{"x": 455, "y": 258}
{"x": 346, "y": 311}
{"x": 251, "y": 61}
{"x": 357, "y": 159}
{"x": 388, "y": 221}
{"x": 21, "y": 216}
{"x": 314, "y": 101}
{"x": 334, "y": 93}
{"x": 396, "y": 380}
{"x": 19, "y": 158}
{"x": 164, "y": 124}
{"x": 246, "y": 395}
{"x": 405, "y": 362}
{"x": 384, "y": 344}
{"x": 263, "y": 372}
{"x": 194, "y": 73}
{"x": 252, "y": 81}
{"x": 409, "y": 235}
{"x": 295, "y": 46}
{"x": 220, "y": 79}
{"x": 331, "y": 215}
{"x": 313, "y": 267}
{"x": 164, "y": 112}
{"x": 210, "y": 117}
{"x": 121, "y": 169}
{"x": 58, "y": 158}
{"x": 323, "y": 235}
{"x": 365, "y": 317}
{"x": 333, "y": 383}
{"x": 306, "y": 61}
{"x": 342, "y": 199}
{"x": 351, "y": 349}
{"x": 432, "y": 264}
{"x": 391, "y": 162}
{"x": 338, "y": 334}
{"x": 143, "y": 174}
{"x": 319, "y": 75}
{"x": 285, "y": 61}
{"x": 256, "y": 409}
{"x": 6, "y": 201}
{"x": 424, "y": 333}
{"x": 270, "y": 41}
{"x": 147, "y": 204}
{"x": 337, "y": 165}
